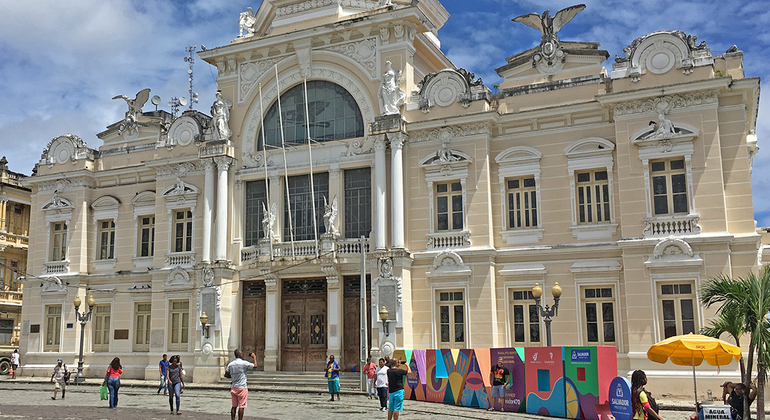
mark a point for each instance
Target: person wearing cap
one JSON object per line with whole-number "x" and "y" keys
{"x": 58, "y": 376}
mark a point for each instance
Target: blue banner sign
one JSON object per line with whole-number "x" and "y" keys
{"x": 580, "y": 355}
{"x": 620, "y": 399}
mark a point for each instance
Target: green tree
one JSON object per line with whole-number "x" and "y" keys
{"x": 749, "y": 296}
{"x": 728, "y": 321}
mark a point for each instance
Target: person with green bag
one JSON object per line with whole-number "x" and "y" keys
{"x": 104, "y": 393}
{"x": 112, "y": 380}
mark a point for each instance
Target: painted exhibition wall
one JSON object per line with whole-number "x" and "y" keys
{"x": 554, "y": 381}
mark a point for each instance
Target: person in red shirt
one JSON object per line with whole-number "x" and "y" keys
{"x": 112, "y": 380}
{"x": 369, "y": 370}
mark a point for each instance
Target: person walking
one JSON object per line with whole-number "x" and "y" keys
{"x": 59, "y": 371}
{"x": 175, "y": 381}
{"x": 333, "y": 377}
{"x": 499, "y": 377}
{"x": 112, "y": 380}
{"x": 162, "y": 366}
{"x": 640, "y": 403}
{"x": 15, "y": 362}
{"x": 239, "y": 391}
{"x": 370, "y": 371}
{"x": 382, "y": 384}
{"x": 396, "y": 388}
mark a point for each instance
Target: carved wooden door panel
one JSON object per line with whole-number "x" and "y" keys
{"x": 303, "y": 325}
{"x": 315, "y": 352}
{"x": 292, "y": 352}
{"x": 253, "y": 322}
{"x": 351, "y": 320}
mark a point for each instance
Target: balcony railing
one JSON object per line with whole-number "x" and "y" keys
{"x": 14, "y": 239}
{"x": 449, "y": 240}
{"x": 301, "y": 249}
{"x": 351, "y": 246}
{"x": 250, "y": 254}
{"x": 56, "y": 267}
{"x": 672, "y": 225}
{"x": 184, "y": 259}
{"x": 10, "y": 296}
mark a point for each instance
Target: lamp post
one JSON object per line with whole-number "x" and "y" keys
{"x": 204, "y": 325}
{"x": 547, "y": 312}
{"x": 82, "y": 318}
{"x": 384, "y": 319}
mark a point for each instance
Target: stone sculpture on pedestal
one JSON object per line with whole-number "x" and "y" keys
{"x": 390, "y": 95}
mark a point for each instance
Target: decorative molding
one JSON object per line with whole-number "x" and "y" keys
{"x": 66, "y": 148}
{"x": 250, "y": 72}
{"x": 653, "y": 105}
{"x": 180, "y": 170}
{"x": 673, "y": 252}
{"x": 178, "y": 278}
{"x": 449, "y": 264}
{"x": 659, "y": 52}
{"x": 184, "y": 130}
{"x": 363, "y": 52}
{"x": 65, "y": 184}
{"x": 54, "y": 286}
{"x": 445, "y": 134}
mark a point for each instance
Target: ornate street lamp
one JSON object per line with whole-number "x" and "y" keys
{"x": 83, "y": 318}
{"x": 384, "y": 319}
{"x": 547, "y": 312}
{"x": 204, "y": 325}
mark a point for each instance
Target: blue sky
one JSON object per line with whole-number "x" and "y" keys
{"x": 62, "y": 62}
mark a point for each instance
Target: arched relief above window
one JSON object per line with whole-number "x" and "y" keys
{"x": 449, "y": 264}
{"x": 180, "y": 195}
{"x": 673, "y": 252}
{"x": 590, "y": 168}
{"x": 105, "y": 207}
{"x": 519, "y": 179}
{"x": 144, "y": 203}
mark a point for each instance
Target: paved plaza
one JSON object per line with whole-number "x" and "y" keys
{"x": 32, "y": 400}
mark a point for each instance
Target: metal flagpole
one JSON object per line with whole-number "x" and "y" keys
{"x": 312, "y": 186}
{"x": 363, "y": 337}
{"x": 264, "y": 159}
{"x": 285, "y": 166}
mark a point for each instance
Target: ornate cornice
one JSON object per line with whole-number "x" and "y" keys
{"x": 180, "y": 169}
{"x": 445, "y": 134}
{"x": 66, "y": 184}
{"x": 653, "y": 105}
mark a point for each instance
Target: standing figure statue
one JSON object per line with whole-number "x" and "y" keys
{"x": 268, "y": 221}
{"x": 390, "y": 95}
{"x": 330, "y": 216}
{"x": 220, "y": 112}
{"x": 246, "y": 23}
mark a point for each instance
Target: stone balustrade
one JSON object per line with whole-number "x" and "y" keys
{"x": 56, "y": 267}
{"x": 672, "y": 225}
{"x": 449, "y": 240}
{"x": 183, "y": 259}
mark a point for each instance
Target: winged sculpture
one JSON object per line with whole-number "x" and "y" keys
{"x": 134, "y": 108}
{"x": 551, "y": 52}
{"x": 246, "y": 22}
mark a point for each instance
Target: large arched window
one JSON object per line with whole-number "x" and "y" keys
{"x": 334, "y": 115}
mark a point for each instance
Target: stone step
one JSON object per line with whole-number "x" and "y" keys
{"x": 348, "y": 380}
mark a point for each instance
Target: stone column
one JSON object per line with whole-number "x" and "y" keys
{"x": 208, "y": 207}
{"x": 272, "y": 319}
{"x": 397, "y": 189}
{"x": 223, "y": 165}
{"x": 380, "y": 182}
{"x": 3, "y": 209}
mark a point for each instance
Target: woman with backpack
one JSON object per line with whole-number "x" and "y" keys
{"x": 641, "y": 402}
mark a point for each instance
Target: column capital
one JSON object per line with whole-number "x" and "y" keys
{"x": 209, "y": 164}
{"x": 397, "y": 140}
{"x": 223, "y": 162}
{"x": 379, "y": 142}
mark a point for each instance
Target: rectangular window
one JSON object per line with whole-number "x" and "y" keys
{"x": 593, "y": 197}
{"x": 669, "y": 187}
{"x": 451, "y": 314}
{"x": 358, "y": 202}
{"x": 106, "y": 239}
{"x": 449, "y": 206}
{"x": 58, "y": 241}
{"x": 52, "y": 328}
{"x": 526, "y": 318}
{"x": 142, "y": 327}
{"x": 6, "y": 331}
{"x": 256, "y": 198}
{"x": 180, "y": 325}
{"x": 677, "y": 308}
{"x": 522, "y": 203}
{"x": 147, "y": 236}
{"x": 101, "y": 327}
{"x": 302, "y": 206}
{"x": 182, "y": 231}
{"x": 599, "y": 315}
{"x": 2, "y": 274}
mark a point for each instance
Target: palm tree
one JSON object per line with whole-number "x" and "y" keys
{"x": 749, "y": 296}
{"x": 727, "y": 322}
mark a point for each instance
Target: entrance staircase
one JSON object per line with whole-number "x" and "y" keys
{"x": 349, "y": 381}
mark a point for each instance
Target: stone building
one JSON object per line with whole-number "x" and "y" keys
{"x": 14, "y": 240}
{"x": 628, "y": 189}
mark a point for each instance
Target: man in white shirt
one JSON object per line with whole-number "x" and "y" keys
{"x": 15, "y": 362}
{"x": 382, "y": 384}
{"x": 239, "y": 391}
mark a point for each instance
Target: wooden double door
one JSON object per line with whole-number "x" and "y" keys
{"x": 352, "y": 320}
{"x": 253, "y": 322}
{"x": 303, "y": 325}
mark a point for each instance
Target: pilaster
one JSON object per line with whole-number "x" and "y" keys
{"x": 223, "y": 165}
{"x": 208, "y": 207}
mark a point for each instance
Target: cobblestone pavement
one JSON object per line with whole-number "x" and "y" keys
{"x": 33, "y": 401}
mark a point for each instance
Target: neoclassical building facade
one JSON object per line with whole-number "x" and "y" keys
{"x": 629, "y": 189}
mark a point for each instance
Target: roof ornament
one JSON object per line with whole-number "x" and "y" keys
{"x": 135, "y": 105}
{"x": 247, "y": 22}
{"x": 551, "y": 56}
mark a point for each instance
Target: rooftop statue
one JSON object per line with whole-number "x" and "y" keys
{"x": 220, "y": 111}
{"x": 390, "y": 95}
{"x": 246, "y": 23}
{"x": 549, "y": 26}
{"x": 134, "y": 109}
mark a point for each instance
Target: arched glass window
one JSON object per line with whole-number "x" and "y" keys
{"x": 334, "y": 115}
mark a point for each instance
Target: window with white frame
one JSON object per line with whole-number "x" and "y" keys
{"x": 525, "y": 318}
{"x": 522, "y": 203}
{"x": 179, "y": 330}
{"x": 52, "y": 328}
{"x": 676, "y": 303}
{"x": 449, "y": 206}
{"x": 599, "y": 316}
{"x": 58, "y": 241}
{"x": 593, "y": 197}
{"x": 183, "y": 226}
{"x": 101, "y": 325}
{"x": 590, "y": 164}
{"x": 451, "y": 319}
{"x": 106, "y": 235}
{"x": 669, "y": 187}
{"x": 142, "y": 319}
{"x": 146, "y": 236}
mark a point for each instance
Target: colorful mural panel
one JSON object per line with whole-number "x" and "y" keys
{"x": 513, "y": 359}
{"x": 474, "y": 393}
{"x": 545, "y": 386}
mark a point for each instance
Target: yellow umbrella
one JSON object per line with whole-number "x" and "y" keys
{"x": 691, "y": 350}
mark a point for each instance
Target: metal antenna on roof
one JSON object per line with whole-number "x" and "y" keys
{"x": 190, "y": 60}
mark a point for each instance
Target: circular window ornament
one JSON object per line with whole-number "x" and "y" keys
{"x": 660, "y": 61}
{"x": 183, "y": 131}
